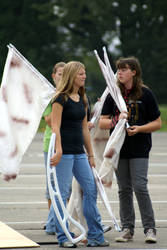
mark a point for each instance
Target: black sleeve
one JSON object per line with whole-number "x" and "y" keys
{"x": 152, "y": 108}
{"x": 89, "y": 109}
{"x": 108, "y": 106}
{"x": 59, "y": 99}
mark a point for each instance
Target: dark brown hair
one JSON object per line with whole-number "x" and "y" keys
{"x": 134, "y": 64}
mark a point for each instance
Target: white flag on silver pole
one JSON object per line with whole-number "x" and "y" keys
{"x": 55, "y": 194}
{"x": 114, "y": 144}
{"x": 24, "y": 95}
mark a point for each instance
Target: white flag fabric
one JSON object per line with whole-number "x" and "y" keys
{"x": 97, "y": 110}
{"x": 99, "y": 137}
{"x": 24, "y": 95}
{"x": 114, "y": 144}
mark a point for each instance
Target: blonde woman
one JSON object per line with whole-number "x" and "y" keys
{"x": 69, "y": 123}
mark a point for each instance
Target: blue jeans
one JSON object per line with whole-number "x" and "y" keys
{"x": 132, "y": 176}
{"x": 78, "y": 166}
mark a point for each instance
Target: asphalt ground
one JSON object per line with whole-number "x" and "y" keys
{"x": 23, "y": 206}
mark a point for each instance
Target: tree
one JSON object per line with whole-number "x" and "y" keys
{"x": 26, "y": 24}
{"x": 143, "y": 32}
{"x": 86, "y": 26}
{"x": 140, "y": 26}
{"x": 50, "y": 31}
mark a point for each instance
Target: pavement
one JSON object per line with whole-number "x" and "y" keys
{"x": 23, "y": 206}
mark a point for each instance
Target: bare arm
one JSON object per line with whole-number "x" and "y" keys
{"x": 87, "y": 142}
{"x": 146, "y": 128}
{"x": 56, "y": 117}
{"x": 48, "y": 119}
{"x": 106, "y": 122}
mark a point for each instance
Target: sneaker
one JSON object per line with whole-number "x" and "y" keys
{"x": 83, "y": 242}
{"x": 106, "y": 228}
{"x": 67, "y": 244}
{"x": 50, "y": 233}
{"x": 150, "y": 236}
{"x": 95, "y": 243}
{"x": 125, "y": 236}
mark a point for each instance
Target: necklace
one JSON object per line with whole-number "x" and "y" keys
{"x": 75, "y": 97}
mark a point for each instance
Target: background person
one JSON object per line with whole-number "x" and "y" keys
{"x": 56, "y": 76}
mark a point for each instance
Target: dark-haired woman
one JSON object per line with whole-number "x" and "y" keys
{"x": 143, "y": 117}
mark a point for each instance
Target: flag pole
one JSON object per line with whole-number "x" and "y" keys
{"x": 55, "y": 193}
{"x": 37, "y": 73}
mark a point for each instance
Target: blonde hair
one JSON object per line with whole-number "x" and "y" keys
{"x": 65, "y": 86}
{"x": 58, "y": 65}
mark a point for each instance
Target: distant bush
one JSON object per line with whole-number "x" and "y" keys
{"x": 163, "y": 109}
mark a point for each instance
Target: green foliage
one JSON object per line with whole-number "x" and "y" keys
{"x": 143, "y": 26}
{"x": 46, "y": 32}
{"x": 26, "y": 24}
{"x": 163, "y": 109}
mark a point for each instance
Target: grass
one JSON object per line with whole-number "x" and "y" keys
{"x": 163, "y": 109}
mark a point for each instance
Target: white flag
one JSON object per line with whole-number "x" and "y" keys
{"x": 115, "y": 142}
{"x": 24, "y": 95}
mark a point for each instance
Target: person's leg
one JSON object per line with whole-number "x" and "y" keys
{"x": 50, "y": 224}
{"x": 139, "y": 171}
{"x": 75, "y": 207}
{"x": 84, "y": 175}
{"x": 127, "y": 213}
{"x": 50, "y": 227}
{"x": 64, "y": 178}
{"x": 47, "y": 189}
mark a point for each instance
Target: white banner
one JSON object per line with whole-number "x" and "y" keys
{"x": 114, "y": 144}
{"x": 24, "y": 95}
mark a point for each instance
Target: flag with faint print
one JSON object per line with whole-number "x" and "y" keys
{"x": 24, "y": 95}
{"x": 115, "y": 142}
